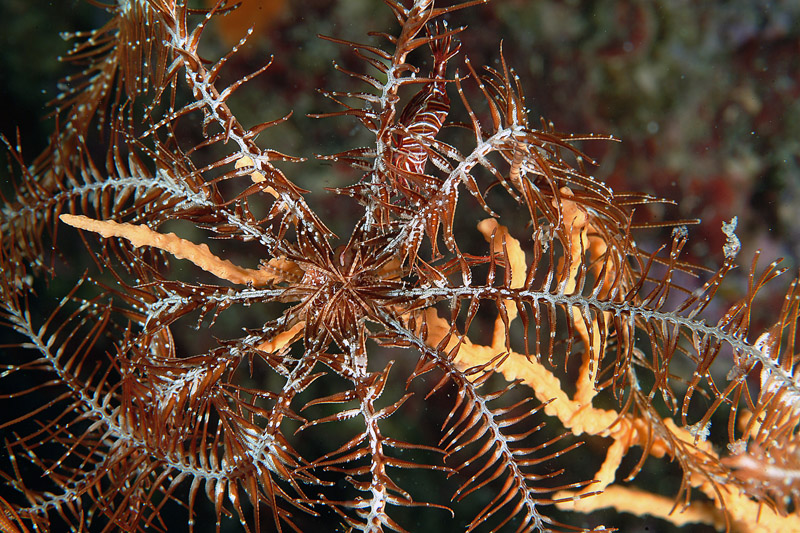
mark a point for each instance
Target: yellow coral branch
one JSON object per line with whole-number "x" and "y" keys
{"x": 517, "y": 265}
{"x": 257, "y": 176}
{"x": 577, "y": 224}
{"x": 283, "y": 339}
{"x": 746, "y": 516}
{"x": 641, "y": 503}
{"x": 199, "y": 254}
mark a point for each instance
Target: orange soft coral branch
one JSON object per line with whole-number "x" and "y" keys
{"x": 499, "y": 237}
{"x": 641, "y": 503}
{"x": 578, "y": 225}
{"x": 745, "y": 515}
{"x": 283, "y": 339}
{"x": 199, "y": 254}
